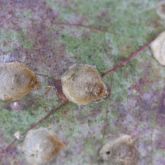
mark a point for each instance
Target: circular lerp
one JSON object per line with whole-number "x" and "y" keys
{"x": 82, "y": 84}
{"x": 41, "y": 146}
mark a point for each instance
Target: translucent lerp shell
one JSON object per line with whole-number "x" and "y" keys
{"x": 16, "y": 81}
{"x": 158, "y": 48}
{"x": 160, "y": 9}
{"x": 41, "y": 146}
{"x": 119, "y": 151}
{"x": 82, "y": 84}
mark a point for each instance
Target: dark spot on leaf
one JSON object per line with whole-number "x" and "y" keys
{"x": 108, "y": 152}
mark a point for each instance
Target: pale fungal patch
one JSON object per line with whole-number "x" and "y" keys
{"x": 158, "y": 48}
{"x": 41, "y": 146}
{"x": 120, "y": 151}
{"x": 17, "y": 135}
{"x": 82, "y": 84}
{"x": 17, "y": 80}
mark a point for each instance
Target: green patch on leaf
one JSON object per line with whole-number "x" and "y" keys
{"x": 25, "y": 40}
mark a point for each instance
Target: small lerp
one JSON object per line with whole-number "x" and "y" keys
{"x": 120, "y": 151}
{"x": 158, "y": 48}
{"x": 82, "y": 84}
{"x": 17, "y": 80}
{"x": 41, "y": 146}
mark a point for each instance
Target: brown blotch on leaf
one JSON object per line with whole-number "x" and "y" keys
{"x": 60, "y": 94}
{"x": 82, "y": 84}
